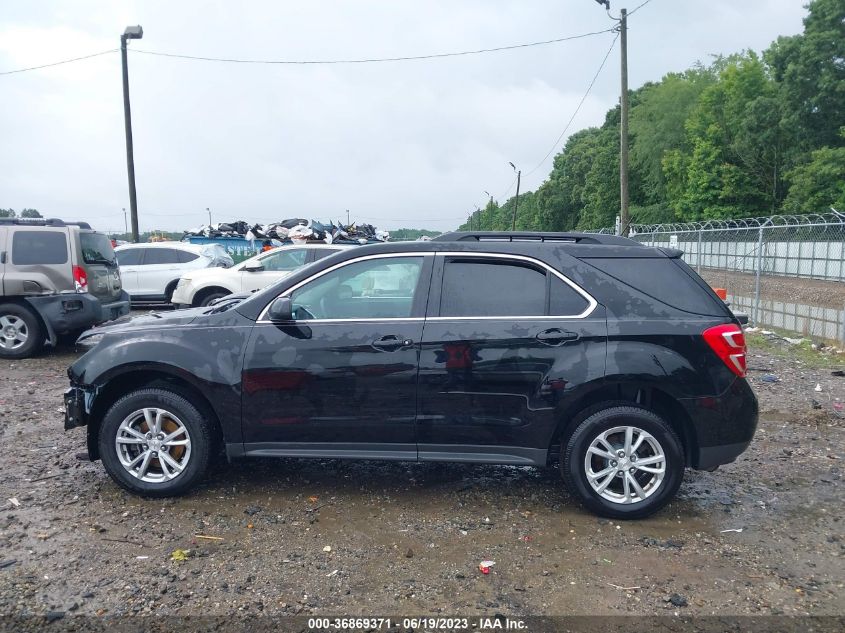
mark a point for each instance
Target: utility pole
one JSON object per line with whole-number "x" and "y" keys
{"x": 347, "y": 217}
{"x": 516, "y": 201}
{"x": 125, "y": 223}
{"x": 490, "y": 206}
{"x": 131, "y": 33}
{"x": 623, "y": 126}
{"x": 209, "y": 215}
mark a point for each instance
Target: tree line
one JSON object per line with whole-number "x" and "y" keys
{"x": 747, "y": 135}
{"x": 25, "y": 213}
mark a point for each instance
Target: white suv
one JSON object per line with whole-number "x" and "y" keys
{"x": 151, "y": 271}
{"x": 201, "y": 287}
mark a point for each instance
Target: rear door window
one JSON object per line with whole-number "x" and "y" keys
{"x": 39, "y": 247}
{"x": 186, "y": 256}
{"x": 564, "y": 300}
{"x": 129, "y": 257}
{"x": 161, "y": 256}
{"x": 491, "y": 288}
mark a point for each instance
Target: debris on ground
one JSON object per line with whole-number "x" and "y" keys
{"x": 485, "y": 565}
{"x": 770, "y": 378}
{"x": 180, "y": 554}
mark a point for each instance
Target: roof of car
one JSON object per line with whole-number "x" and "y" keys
{"x": 186, "y": 246}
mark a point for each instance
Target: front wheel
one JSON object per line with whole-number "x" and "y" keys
{"x": 155, "y": 443}
{"x": 623, "y": 462}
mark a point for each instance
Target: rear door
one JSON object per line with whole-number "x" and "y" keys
{"x": 159, "y": 267}
{"x": 507, "y": 340}
{"x": 38, "y": 261}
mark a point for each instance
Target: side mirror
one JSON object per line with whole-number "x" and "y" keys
{"x": 255, "y": 267}
{"x": 281, "y": 310}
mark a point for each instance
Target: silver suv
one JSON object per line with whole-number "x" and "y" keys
{"x": 56, "y": 279}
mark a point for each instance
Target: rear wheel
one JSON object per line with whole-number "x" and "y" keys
{"x": 155, "y": 443}
{"x": 21, "y": 334}
{"x": 623, "y": 462}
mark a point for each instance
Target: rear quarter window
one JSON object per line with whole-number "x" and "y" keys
{"x": 96, "y": 248}
{"x": 664, "y": 279}
{"x": 39, "y": 248}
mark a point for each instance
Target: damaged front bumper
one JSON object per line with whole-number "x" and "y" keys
{"x": 78, "y": 400}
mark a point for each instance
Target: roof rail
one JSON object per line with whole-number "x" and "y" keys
{"x": 43, "y": 222}
{"x": 534, "y": 236}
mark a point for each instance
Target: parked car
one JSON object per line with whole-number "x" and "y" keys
{"x": 56, "y": 279}
{"x": 612, "y": 359}
{"x": 151, "y": 271}
{"x": 203, "y": 287}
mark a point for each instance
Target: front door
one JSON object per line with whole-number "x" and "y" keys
{"x": 506, "y": 344}
{"x": 340, "y": 379}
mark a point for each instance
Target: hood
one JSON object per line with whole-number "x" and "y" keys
{"x": 150, "y": 320}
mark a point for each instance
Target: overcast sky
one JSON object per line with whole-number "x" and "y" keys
{"x": 400, "y": 144}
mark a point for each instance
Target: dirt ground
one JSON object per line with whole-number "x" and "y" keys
{"x": 764, "y": 535}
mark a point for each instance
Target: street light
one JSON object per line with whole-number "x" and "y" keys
{"x": 516, "y": 202}
{"x": 131, "y": 33}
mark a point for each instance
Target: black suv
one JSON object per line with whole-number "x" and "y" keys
{"x": 614, "y": 359}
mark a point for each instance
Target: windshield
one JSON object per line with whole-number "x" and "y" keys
{"x": 96, "y": 249}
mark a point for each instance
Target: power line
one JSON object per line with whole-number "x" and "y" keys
{"x": 64, "y": 61}
{"x": 637, "y": 8}
{"x": 370, "y": 60}
{"x": 578, "y": 108}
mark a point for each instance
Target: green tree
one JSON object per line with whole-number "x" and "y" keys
{"x": 810, "y": 69}
{"x": 30, "y": 213}
{"x": 657, "y": 125}
{"x": 7, "y": 213}
{"x": 819, "y": 183}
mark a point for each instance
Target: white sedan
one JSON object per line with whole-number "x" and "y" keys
{"x": 151, "y": 271}
{"x": 201, "y": 287}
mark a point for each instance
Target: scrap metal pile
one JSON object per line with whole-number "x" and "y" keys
{"x": 296, "y": 230}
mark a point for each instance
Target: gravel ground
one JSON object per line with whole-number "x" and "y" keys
{"x": 812, "y": 292}
{"x": 761, "y": 536}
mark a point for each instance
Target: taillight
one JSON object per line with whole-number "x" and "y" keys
{"x": 728, "y": 341}
{"x": 80, "y": 279}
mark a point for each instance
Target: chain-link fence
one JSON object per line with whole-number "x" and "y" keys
{"x": 783, "y": 271}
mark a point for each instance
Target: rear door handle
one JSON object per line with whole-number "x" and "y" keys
{"x": 391, "y": 343}
{"x": 556, "y": 336}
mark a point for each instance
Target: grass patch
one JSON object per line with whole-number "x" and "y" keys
{"x": 775, "y": 345}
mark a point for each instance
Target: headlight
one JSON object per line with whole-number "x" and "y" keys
{"x": 90, "y": 340}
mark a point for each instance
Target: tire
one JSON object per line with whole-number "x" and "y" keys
{"x": 659, "y": 445}
{"x": 21, "y": 334}
{"x": 168, "y": 292}
{"x": 211, "y": 296}
{"x": 160, "y": 478}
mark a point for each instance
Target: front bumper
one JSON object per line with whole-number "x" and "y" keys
{"x": 183, "y": 294}
{"x": 77, "y": 405}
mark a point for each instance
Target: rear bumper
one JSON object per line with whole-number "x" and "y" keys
{"x": 722, "y": 427}
{"x": 64, "y": 313}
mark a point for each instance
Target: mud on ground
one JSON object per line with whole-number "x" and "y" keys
{"x": 761, "y": 536}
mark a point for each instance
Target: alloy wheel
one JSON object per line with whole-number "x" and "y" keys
{"x": 153, "y": 445}
{"x": 13, "y": 332}
{"x": 625, "y": 465}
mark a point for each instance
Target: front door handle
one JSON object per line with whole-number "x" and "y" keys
{"x": 556, "y": 336}
{"x": 391, "y": 343}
